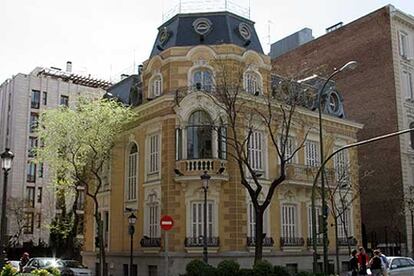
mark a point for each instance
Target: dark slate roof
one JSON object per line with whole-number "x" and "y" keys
{"x": 127, "y": 91}
{"x": 225, "y": 30}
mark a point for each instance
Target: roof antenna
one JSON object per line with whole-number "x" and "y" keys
{"x": 179, "y": 6}
{"x": 249, "y": 9}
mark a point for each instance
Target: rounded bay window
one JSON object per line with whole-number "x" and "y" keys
{"x": 199, "y": 136}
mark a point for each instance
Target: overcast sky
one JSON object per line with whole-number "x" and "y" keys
{"x": 105, "y": 38}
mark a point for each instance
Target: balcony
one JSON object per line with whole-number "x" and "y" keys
{"x": 309, "y": 242}
{"x": 195, "y": 245}
{"x": 345, "y": 241}
{"x": 193, "y": 168}
{"x": 150, "y": 242}
{"x": 291, "y": 241}
{"x": 267, "y": 241}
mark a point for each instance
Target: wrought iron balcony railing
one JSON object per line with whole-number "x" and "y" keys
{"x": 291, "y": 241}
{"x": 150, "y": 242}
{"x": 344, "y": 241}
{"x": 319, "y": 241}
{"x": 199, "y": 242}
{"x": 267, "y": 241}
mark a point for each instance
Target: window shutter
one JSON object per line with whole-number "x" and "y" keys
{"x": 178, "y": 144}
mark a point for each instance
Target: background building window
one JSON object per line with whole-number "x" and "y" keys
{"x": 252, "y": 83}
{"x": 35, "y": 103}
{"x": 404, "y": 44}
{"x": 289, "y": 221}
{"x": 64, "y": 100}
{"x": 34, "y": 118}
{"x": 154, "y": 144}
{"x": 255, "y": 151}
{"x": 202, "y": 80}
{"x": 312, "y": 153}
{"x": 39, "y": 194}
{"x": 197, "y": 220}
{"x": 28, "y": 223}
{"x": 199, "y": 136}
{"x": 318, "y": 214}
{"x": 156, "y": 87}
{"x": 80, "y": 203}
{"x": 30, "y": 197}
{"x": 31, "y": 171}
{"x": 44, "y": 98}
{"x": 407, "y": 85}
{"x": 132, "y": 173}
{"x": 32, "y": 146}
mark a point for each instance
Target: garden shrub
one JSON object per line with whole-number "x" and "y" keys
{"x": 228, "y": 268}
{"x": 8, "y": 270}
{"x": 263, "y": 268}
{"x": 245, "y": 272}
{"x": 196, "y": 267}
{"x": 280, "y": 271}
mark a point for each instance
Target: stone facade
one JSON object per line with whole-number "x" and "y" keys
{"x": 168, "y": 180}
{"x": 374, "y": 95}
{"x": 31, "y": 197}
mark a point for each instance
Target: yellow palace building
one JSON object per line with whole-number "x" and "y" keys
{"x": 156, "y": 164}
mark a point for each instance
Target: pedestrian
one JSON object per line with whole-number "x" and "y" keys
{"x": 375, "y": 264}
{"x": 353, "y": 264}
{"x": 363, "y": 260}
{"x": 23, "y": 260}
{"x": 385, "y": 263}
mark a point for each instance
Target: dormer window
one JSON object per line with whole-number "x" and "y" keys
{"x": 252, "y": 83}
{"x": 202, "y": 80}
{"x": 155, "y": 87}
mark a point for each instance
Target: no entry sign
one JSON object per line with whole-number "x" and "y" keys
{"x": 166, "y": 223}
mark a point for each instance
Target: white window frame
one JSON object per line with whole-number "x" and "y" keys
{"x": 252, "y": 82}
{"x": 312, "y": 153}
{"x": 256, "y": 150}
{"x": 156, "y": 86}
{"x": 154, "y": 153}
{"x": 347, "y": 215}
{"x": 341, "y": 166}
{"x": 202, "y": 68}
{"x": 197, "y": 219}
{"x": 404, "y": 44}
{"x": 318, "y": 213}
{"x": 131, "y": 174}
{"x": 251, "y": 221}
{"x": 407, "y": 84}
{"x": 289, "y": 220}
{"x": 152, "y": 216}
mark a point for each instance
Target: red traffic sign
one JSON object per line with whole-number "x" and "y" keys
{"x": 166, "y": 223}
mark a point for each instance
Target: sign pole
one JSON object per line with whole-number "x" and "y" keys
{"x": 166, "y": 252}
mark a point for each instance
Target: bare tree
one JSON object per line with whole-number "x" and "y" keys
{"x": 247, "y": 110}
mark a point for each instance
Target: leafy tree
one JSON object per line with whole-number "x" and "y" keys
{"x": 77, "y": 145}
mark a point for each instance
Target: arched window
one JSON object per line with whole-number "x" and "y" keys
{"x": 199, "y": 136}
{"x": 202, "y": 80}
{"x": 155, "y": 86}
{"x": 131, "y": 189}
{"x": 252, "y": 83}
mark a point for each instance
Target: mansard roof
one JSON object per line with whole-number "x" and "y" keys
{"x": 212, "y": 28}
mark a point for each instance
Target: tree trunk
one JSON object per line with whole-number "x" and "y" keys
{"x": 102, "y": 255}
{"x": 336, "y": 246}
{"x": 258, "y": 238}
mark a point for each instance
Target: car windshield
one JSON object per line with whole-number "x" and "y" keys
{"x": 72, "y": 264}
{"x": 47, "y": 262}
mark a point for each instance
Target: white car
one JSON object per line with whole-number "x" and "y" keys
{"x": 399, "y": 266}
{"x": 73, "y": 268}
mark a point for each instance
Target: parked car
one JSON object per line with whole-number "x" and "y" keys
{"x": 15, "y": 264}
{"x": 40, "y": 263}
{"x": 73, "y": 268}
{"x": 399, "y": 266}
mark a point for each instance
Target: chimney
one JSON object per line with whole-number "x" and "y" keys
{"x": 69, "y": 66}
{"x": 140, "y": 67}
{"x": 124, "y": 76}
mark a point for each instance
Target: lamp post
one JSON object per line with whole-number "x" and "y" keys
{"x": 350, "y": 65}
{"x": 131, "y": 230}
{"x": 204, "y": 180}
{"x": 410, "y": 205}
{"x": 6, "y": 162}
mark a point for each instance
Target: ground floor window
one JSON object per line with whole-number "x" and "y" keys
{"x": 197, "y": 219}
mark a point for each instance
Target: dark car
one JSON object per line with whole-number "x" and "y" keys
{"x": 73, "y": 268}
{"x": 40, "y": 263}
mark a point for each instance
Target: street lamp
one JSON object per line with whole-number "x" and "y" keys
{"x": 348, "y": 66}
{"x": 131, "y": 230}
{"x": 204, "y": 181}
{"x": 6, "y": 162}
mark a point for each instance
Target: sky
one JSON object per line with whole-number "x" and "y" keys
{"x": 105, "y": 38}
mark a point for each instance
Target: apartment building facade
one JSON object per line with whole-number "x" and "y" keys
{"x": 31, "y": 196}
{"x": 157, "y": 162}
{"x": 378, "y": 94}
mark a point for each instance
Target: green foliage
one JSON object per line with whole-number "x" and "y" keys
{"x": 9, "y": 270}
{"x": 280, "y": 271}
{"x": 50, "y": 271}
{"x": 196, "y": 267}
{"x": 228, "y": 268}
{"x": 263, "y": 268}
{"x": 245, "y": 272}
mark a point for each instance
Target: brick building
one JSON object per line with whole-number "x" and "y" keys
{"x": 157, "y": 163}
{"x": 378, "y": 94}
